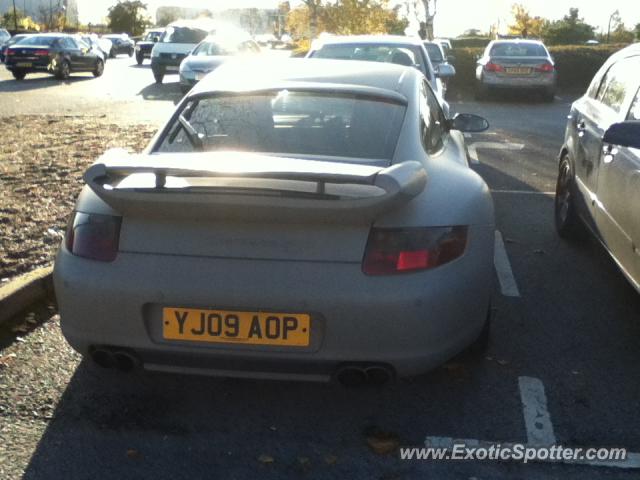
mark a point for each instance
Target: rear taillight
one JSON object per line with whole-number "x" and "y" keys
{"x": 402, "y": 250}
{"x": 93, "y": 236}
{"x": 41, "y": 53}
{"x": 545, "y": 68}
{"x": 9, "y": 52}
{"x": 493, "y": 67}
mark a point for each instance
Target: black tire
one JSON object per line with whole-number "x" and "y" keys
{"x": 64, "y": 70}
{"x": 139, "y": 58}
{"x": 99, "y": 70}
{"x": 158, "y": 74}
{"x": 131, "y": 51}
{"x": 482, "y": 91}
{"x": 549, "y": 96}
{"x": 112, "y": 53}
{"x": 567, "y": 221}
{"x": 19, "y": 74}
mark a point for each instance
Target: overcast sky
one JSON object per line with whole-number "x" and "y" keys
{"x": 454, "y": 16}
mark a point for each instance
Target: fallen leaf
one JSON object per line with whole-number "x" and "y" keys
{"x": 330, "y": 459}
{"x": 133, "y": 454}
{"x": 266, "y": 458}
{"x": 383, "y": 443}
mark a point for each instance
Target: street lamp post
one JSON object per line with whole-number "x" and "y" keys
{"x": 617, "y": 12}
{"x": 15, "y": 16}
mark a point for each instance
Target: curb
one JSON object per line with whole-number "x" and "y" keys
{"x": 21, "y": 292}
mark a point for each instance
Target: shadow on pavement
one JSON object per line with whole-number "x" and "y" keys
{"x": 165, "y": 91}
{"x": 39, "y": 82}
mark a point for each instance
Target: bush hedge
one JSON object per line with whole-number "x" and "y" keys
{"x": 576, "y": 64}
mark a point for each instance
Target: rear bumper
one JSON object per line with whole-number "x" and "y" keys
{"x": 37, "y": 66}
{"x": 411, "y": 322}
{"x": 538, "y": 82}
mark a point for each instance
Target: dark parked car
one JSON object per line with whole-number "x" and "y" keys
{"x": 144, "y": 46}
{"x": 120, "y": 44}
{"x": 56, "y": 53}
{"x": 94, "y": 42}
{"x": 598, "y": 180}
{"x": 11, "y": 41}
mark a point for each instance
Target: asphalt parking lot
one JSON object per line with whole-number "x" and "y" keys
{"x": 564, "y": 345}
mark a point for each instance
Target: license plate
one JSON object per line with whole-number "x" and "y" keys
{"x": 221, "y": 326}
{"x": 24, "y": 65}
{"x": 518, "y": 71}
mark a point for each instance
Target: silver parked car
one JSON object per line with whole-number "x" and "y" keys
{"x": 316, "y": 221}
{"x": 517, "y": 65}
{"x": 440, "y": 62}
{"x": 401, "y": 50}
{"x": 210, "y": 54}
{"x": 599, "y": 175}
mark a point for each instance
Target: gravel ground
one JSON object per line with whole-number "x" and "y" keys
{"x": 42, "y": 159}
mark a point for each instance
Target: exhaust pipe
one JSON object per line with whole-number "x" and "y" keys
{"x": 351, "y": 376}
{"x": 103, "y": 358}
{"x": 378, "y": 375}
{"x": 357, "y": 376}
{"x": 125, "y": 361}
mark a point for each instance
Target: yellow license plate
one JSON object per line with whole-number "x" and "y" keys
{"x": 519, "y": 71}
{"x": 24, "y": 65}
{"x": 220, "y": 326}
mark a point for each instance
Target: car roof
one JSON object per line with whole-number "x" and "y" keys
{"x": 369, "y": 39}
{"x": 299, "y": 71}
{"x": 517, "y": 40}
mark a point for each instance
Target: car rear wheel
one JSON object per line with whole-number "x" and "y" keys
{"x": 139, "y": 58}
{"x": 482, "y": 91}
{"x": 131, "y": 52}
{"x": 112, "y": 53}
{"x": 19, "y": 74}
{"x": 64, "y": 70}
{"x": 99, "y": 70}
{"x": 567, "y": 220}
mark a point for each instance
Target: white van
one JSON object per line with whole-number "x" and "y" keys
{"x": 175, "y": 44}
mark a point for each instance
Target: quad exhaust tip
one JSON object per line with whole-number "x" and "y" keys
{"x": 363, "y": 375}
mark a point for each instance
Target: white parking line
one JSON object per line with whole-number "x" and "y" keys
{"x": 508, "y": 285}
{"x": 473, "y": 148}
{"x": 536, "y": 416}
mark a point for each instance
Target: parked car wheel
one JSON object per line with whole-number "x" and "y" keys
{"x": 158, "y": 74}
{"x": 131, "y": 52}
{"x": 567, "y": 220}
{"x": 112, "y": 53}
{"x": 482, "y": 91}
{"x": 19, "y": 74}
{"x": 139, "y": 58}
{"x": 64, "y": 70}
{"x": 99, "y": 70}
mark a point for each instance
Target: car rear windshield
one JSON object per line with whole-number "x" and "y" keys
{"x": 399, "y": 54}
{"x": 290, "y": 123}
{"x": 518, "y": 50}
{"x": 183, "y": 35}
{"x": 215, "y": 48}
{"x": 38, "y": 41}
{"x": 435, "y": 55}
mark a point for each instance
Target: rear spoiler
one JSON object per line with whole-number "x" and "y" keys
{"x": 390, "y": 187}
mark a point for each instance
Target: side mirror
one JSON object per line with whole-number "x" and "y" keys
{"x": 445, "y": 70}
{"x": 624, "y": 134}
{"x": 468, "y": 122}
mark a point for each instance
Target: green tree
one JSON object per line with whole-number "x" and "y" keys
{"x": 128, "y": 16}
{"x": 621, "y": 35}
{"x": 637, "y": 30}
{"x": 571, "y": 30}
{"x": 524, "y": 24}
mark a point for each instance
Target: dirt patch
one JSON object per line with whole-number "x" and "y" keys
{"x": 42, "y": 159}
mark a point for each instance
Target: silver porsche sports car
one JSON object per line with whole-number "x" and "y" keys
{"x": 316, "y": 221}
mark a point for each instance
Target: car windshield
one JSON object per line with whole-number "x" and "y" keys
{"x": 206, "y": 49}
{"x": 184, "y": 35}
{"x": 38, "y": 40}
{"x": 151, "y": 35}
{"x": 435, "y": 55}
{"x": 400, "y": 54}
{"x": 16, "y": 39}
{"x": 290, "y": 122}
{"x": 518, "y": 50}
